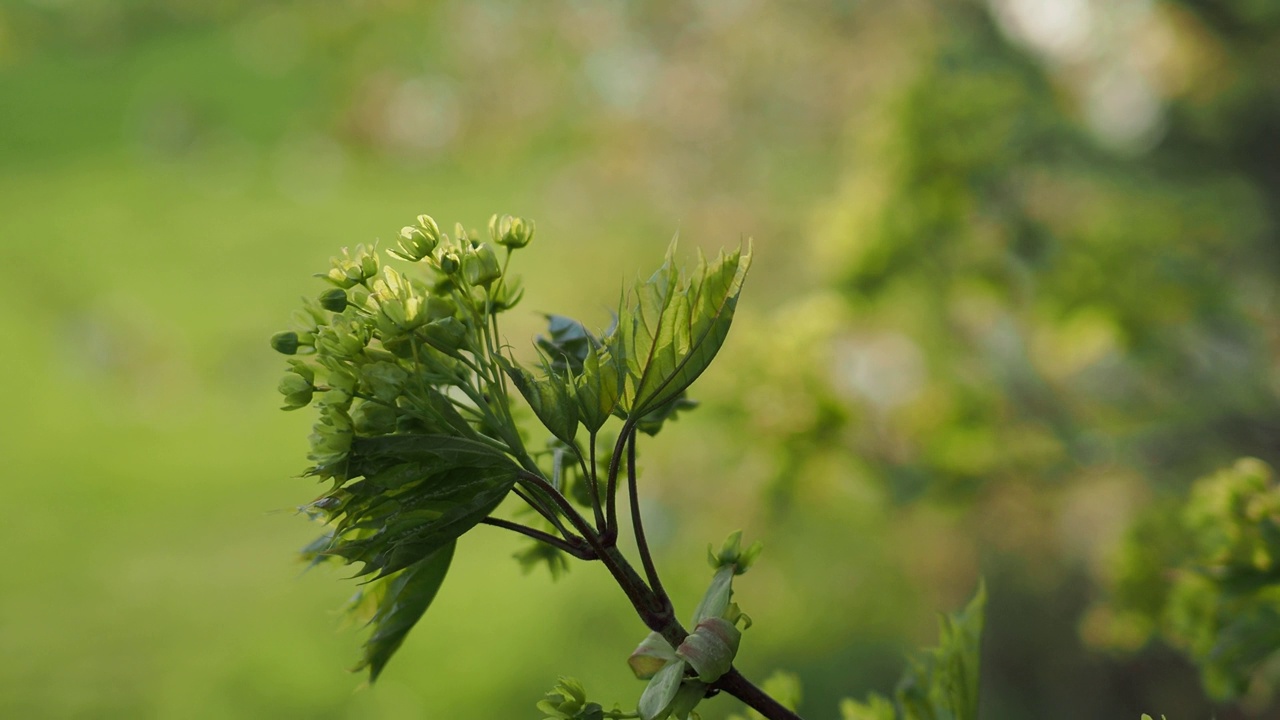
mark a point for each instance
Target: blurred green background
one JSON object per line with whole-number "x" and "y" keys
{"x": 1016, "y": 280}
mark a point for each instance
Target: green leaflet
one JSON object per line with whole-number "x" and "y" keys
{"x": 595, "y": 373}
{"x": 675, "y": 327}
{"x": 568, "y": 346}
{"x": 597, "y": 387}
{"x": 405, "y": 598}
{"x": 551, "y": 396}
{"x": 417, "y": 494}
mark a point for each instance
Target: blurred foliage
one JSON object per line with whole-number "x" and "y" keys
{"x": 940, "y": 683}
{"x": 1204, "y": 578}
{"x": 1050, "y": 273}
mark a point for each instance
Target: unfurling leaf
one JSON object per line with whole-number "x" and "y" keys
{"x": 711, "y": 648}
{"x": 650, "y": 656}
{"x": 661, "y": 690}
{"x": 716, "y": 600}
{"x": 674, "y": 328}
{"x": 551, "y": 396}
{"x": 597, "y": 386}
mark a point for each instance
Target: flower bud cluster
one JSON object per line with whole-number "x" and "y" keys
{"x": 381, "y": 350}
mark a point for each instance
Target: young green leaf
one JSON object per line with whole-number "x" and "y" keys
{"x": 716, "y": 600}
{"x": 675, "y": 328}
{"x": 653, "y": 653}
{"x": 406, "y": 597}
{"x": 568, "y": 346}
{"x": 551, "y": 396}
{"x": 944, "y": 681}
{"x": 597, "y": 387}
{"x": 940, "y": 683}
{"x": 418, "y": 493}
{"x": 711, "y": 648}
{"x": 661, "y": 690}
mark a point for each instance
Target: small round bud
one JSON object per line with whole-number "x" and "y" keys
{"x": 334, "y": 300}
{"x": 285, "y": 343}
{"x": 481, "y": 266}
{"x": 297, "y": 390}
{"x": 448, "y": 262}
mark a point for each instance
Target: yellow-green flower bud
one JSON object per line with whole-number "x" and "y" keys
{"x": 285, "y": 343}
{"x": 448, "y": 261}
{"x": 334, "y": 300}
{"x": 415, "y": 244}
{"x": 429, "y": 227}
{"x": 338, "y": 276}
{"x": 510, "y": 232}
{"x": 296, "y": 390}
{"x": 481, "y": 266}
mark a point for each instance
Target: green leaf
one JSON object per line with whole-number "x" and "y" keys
{"x": 716, "y": 600}
{"x": 675, "y": 327}
{"x": 877, "y": 707}
{"x": 418, "y": 494}
{"x": 653, "y": 653}
{"x": 691, "y": 693}
{"x": 940, "y": 683}
{"x": 569, "y": 344}
{"x": 597, "y": 386}
{"x": 405, "y": 598}
{"x": 943, "y": 682}
{"x": 553, "y": 398}
{"x": 539, "y": 553}
{"x": 660, "y": 691}
{"x": 711, "y": 648}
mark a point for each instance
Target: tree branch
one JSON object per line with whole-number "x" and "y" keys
{"x": 738, "y": 686}
{"x": 610, "y": 534}
{"x": 589, "y": 476}
{"x": 575, "y": 546}
{"x": 569, "y": 511}
{"x": 637, "y": 523}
